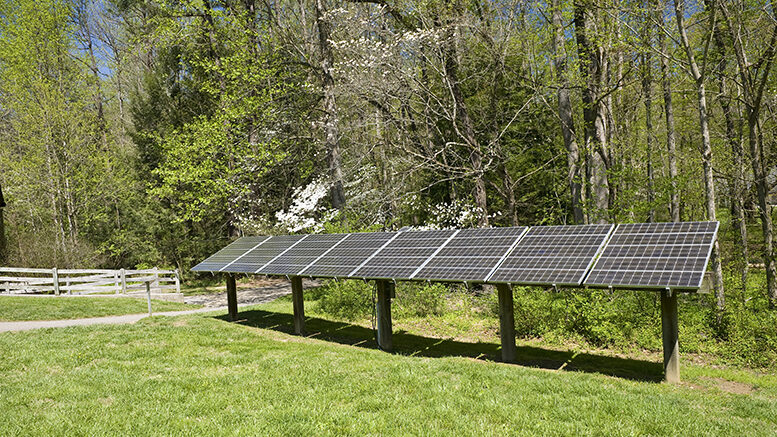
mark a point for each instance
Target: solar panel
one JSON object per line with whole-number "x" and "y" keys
{"x": 305, "y": 252}
{"x": 403, "y": 255}
{"x": 228, "y": 254}
{"x": 559, "y": 255}
{"x": 262, "y": 254}
{"x": 348, "y": 255}
{"x": 469, "y": 255}
{"x": 655, "y": 255}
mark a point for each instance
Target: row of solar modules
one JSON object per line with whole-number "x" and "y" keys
{"x": 652, "y": 255}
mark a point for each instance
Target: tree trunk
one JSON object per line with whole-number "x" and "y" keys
{"x": 592, "y": 70}
{"x": 647, "y": 91}
{"x": 574, "y": 164}
{"x": 753, "y": 87}
{"x": 759, "y": 175}
{"x": 509, "y": 194}
{"x": 734, "y": 139}
{"x": 253, "y": 39}
{"x": 709, "y": 181}
{"x": 331, "y": 128}
{"x": 467, "y": 129}
{"x": 671, "y": 147}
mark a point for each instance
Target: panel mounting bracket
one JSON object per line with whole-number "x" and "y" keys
{"x": 555, "y": 288}
{"x": 668, "y": 292}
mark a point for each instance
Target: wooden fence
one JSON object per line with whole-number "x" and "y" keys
{"x": 81, "y": 282}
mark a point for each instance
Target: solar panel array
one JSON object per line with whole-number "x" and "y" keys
{"x": 636, "y": 255}
{"x": 673, "y": 255}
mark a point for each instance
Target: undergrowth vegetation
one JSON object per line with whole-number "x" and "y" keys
{"x": 622, "y": 320}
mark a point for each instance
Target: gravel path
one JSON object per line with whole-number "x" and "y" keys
{"x": 261, "y": 292}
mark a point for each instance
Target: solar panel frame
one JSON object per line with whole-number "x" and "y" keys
{"x": 528, "y": 250}
{"x": 673, "y": 279}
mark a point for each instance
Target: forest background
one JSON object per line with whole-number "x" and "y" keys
{"x": 150, "y": 133}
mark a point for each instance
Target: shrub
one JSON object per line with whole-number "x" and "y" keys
{"x": 420, "y": 299}
{"x": 350, "y": 300}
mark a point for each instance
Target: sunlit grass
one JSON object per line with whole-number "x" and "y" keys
{"x": 200, "y": 375}
{"x": 17, "y": 308}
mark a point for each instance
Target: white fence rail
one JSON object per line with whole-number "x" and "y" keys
{"x": 76, "y": 282}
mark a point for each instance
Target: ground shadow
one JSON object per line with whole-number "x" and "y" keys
{"x": 416, "y": 345}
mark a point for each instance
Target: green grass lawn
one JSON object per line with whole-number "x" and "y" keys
{"x": 17, "y": 308}
{"x": 200, "y": 375}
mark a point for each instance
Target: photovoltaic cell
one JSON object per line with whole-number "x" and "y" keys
{"x": 228, "y": 254}
{"x": 655, "y": 255}
{"x": 469, "y": 255}
{"x": 295, "y": 259}
{"x": 403, "y": 255}
{"x": 349, "y": 254}
{"x": 548, "y": 255}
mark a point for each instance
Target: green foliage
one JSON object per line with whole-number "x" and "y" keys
{"x": 349, "y": 300}
{"x": 65, "y": 175}
{"x": 421, "y": 299}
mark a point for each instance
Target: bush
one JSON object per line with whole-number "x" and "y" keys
{"x": 349, "y": 300}
{"x": 420, "y": 299}
{"x": 752, "y": 338}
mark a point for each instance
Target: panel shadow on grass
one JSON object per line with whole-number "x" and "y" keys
{"x": 416, "y": 345}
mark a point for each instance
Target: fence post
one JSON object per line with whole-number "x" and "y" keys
{"x": 123, "y": 281}
{"x": 177, "y": 282}
{"x": 156, "y": 279}
{"x": 148, "y": 295}
{"x": 116, "y": 282}
{"x": 67, "y": 285}
{"x": 55, "y": 280}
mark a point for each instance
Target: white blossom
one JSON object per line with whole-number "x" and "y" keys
{"x": 301, "y": 215}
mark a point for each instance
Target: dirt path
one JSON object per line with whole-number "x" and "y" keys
{"x": 259, "y": 292}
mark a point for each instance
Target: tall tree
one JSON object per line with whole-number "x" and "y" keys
{"x": 697, "y": 73}
{"x": 728, "y": 96}
{"x": 593, "y": 66}
{"x": 754, "y": 76}
{"x": 671, "y": 144}
{"x": 463, "y": 123}
{"x": 574, "y": 162}
{"x": 647, "y": 94}
{"x": 331, "y": 110}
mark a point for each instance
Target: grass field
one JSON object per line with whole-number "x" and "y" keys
{"x": 200, "y": 375}
{"x": 17, "y": 308}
